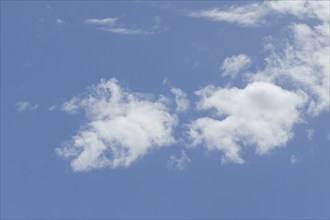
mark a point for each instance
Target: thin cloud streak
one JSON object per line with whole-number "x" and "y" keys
{"x": 112, "y": 25}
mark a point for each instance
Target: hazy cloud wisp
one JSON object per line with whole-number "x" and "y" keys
{"x": 234, "y": 64}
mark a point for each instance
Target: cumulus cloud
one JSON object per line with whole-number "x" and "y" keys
{"x": 179, "y": 162}
{"x": 258, "y": 13}
{"x": 301, "y": 61}
{"x": 113, "y": 25}
{"x": 124, "y": 126}
{"x": 300, "y": 58}
{"x": 121, "y": 127}
{"x": 22, "y": 106}
{"x": 182, "y": 103}
{"x": 261, "y": 115}
{"x": 234, "y": 64}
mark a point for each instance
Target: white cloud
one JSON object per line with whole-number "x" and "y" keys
{"x": 165, "y": 81}
{"x": 234, "y": 64}
{"x": 245, "y": 15}
{"x": 122, "y": 127}
{"x": 71, "y": 106}
{"x": 182, "y": 103}
{"x": 125, "y": 31}
{"x": 22, "y": 106}
{"x": 293, "y": 159}
{"x": 256, "y": 13}
{"x": 179, "y": 162}
{"x": 112, "y": 25}
{"x": 301, "y": 61}
{"x": 104, "y": 21}
{"x": 261, "y": 115}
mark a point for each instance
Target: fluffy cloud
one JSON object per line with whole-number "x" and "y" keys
{"x": 182, "y": 103}
{"x": 246, "y": 15}
{"x": 234, "y": 64}
{"x": 179, "y": 162}
{"x": 256, "y": 14}
{"x": 300, "y": 58}
{"x": 25, "y": 105}
{"x": 122, "y": 127}
{"x": 261, "y": 115}
{"x": 301, "y": 61}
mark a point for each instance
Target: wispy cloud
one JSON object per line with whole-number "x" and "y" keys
{"x": 246, "y": 15}
{"x": 310, "y": 133}
{"x": 179, "y": 162}
{"x": 233, "y": 65}
{"x": 114, "y": 26}
{"x": 122, "y": 127}
{"x": 125, "y": 31}
{"x": 258, "y": 13}
{"x": 22, "y": 106}
{"x": 104, "y": 21}
{"x": 61, "y": 24}
{"x": 181, "y": 100}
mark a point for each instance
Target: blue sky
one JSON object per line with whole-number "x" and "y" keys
{"x": 215, "y": 109}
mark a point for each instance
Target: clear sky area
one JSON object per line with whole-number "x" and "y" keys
{"x": 165, "y": 109}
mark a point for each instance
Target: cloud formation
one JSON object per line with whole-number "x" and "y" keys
{"x": 22, "y": 106}
{"x": 310, "y": 133}
{"x": 181, "y": 100}
{"x": 179, "y": 162}
{"x": 104, "y": 21}
{"x": 112, "y": 25}
{"x": 261, "y": 115}
{"x": 258, "y": 13}
{"x": 122, "y": 127}
{"x": 245, "y": 15}
{"x": 301, "y": 61}
{"x": 233, "y": 65}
